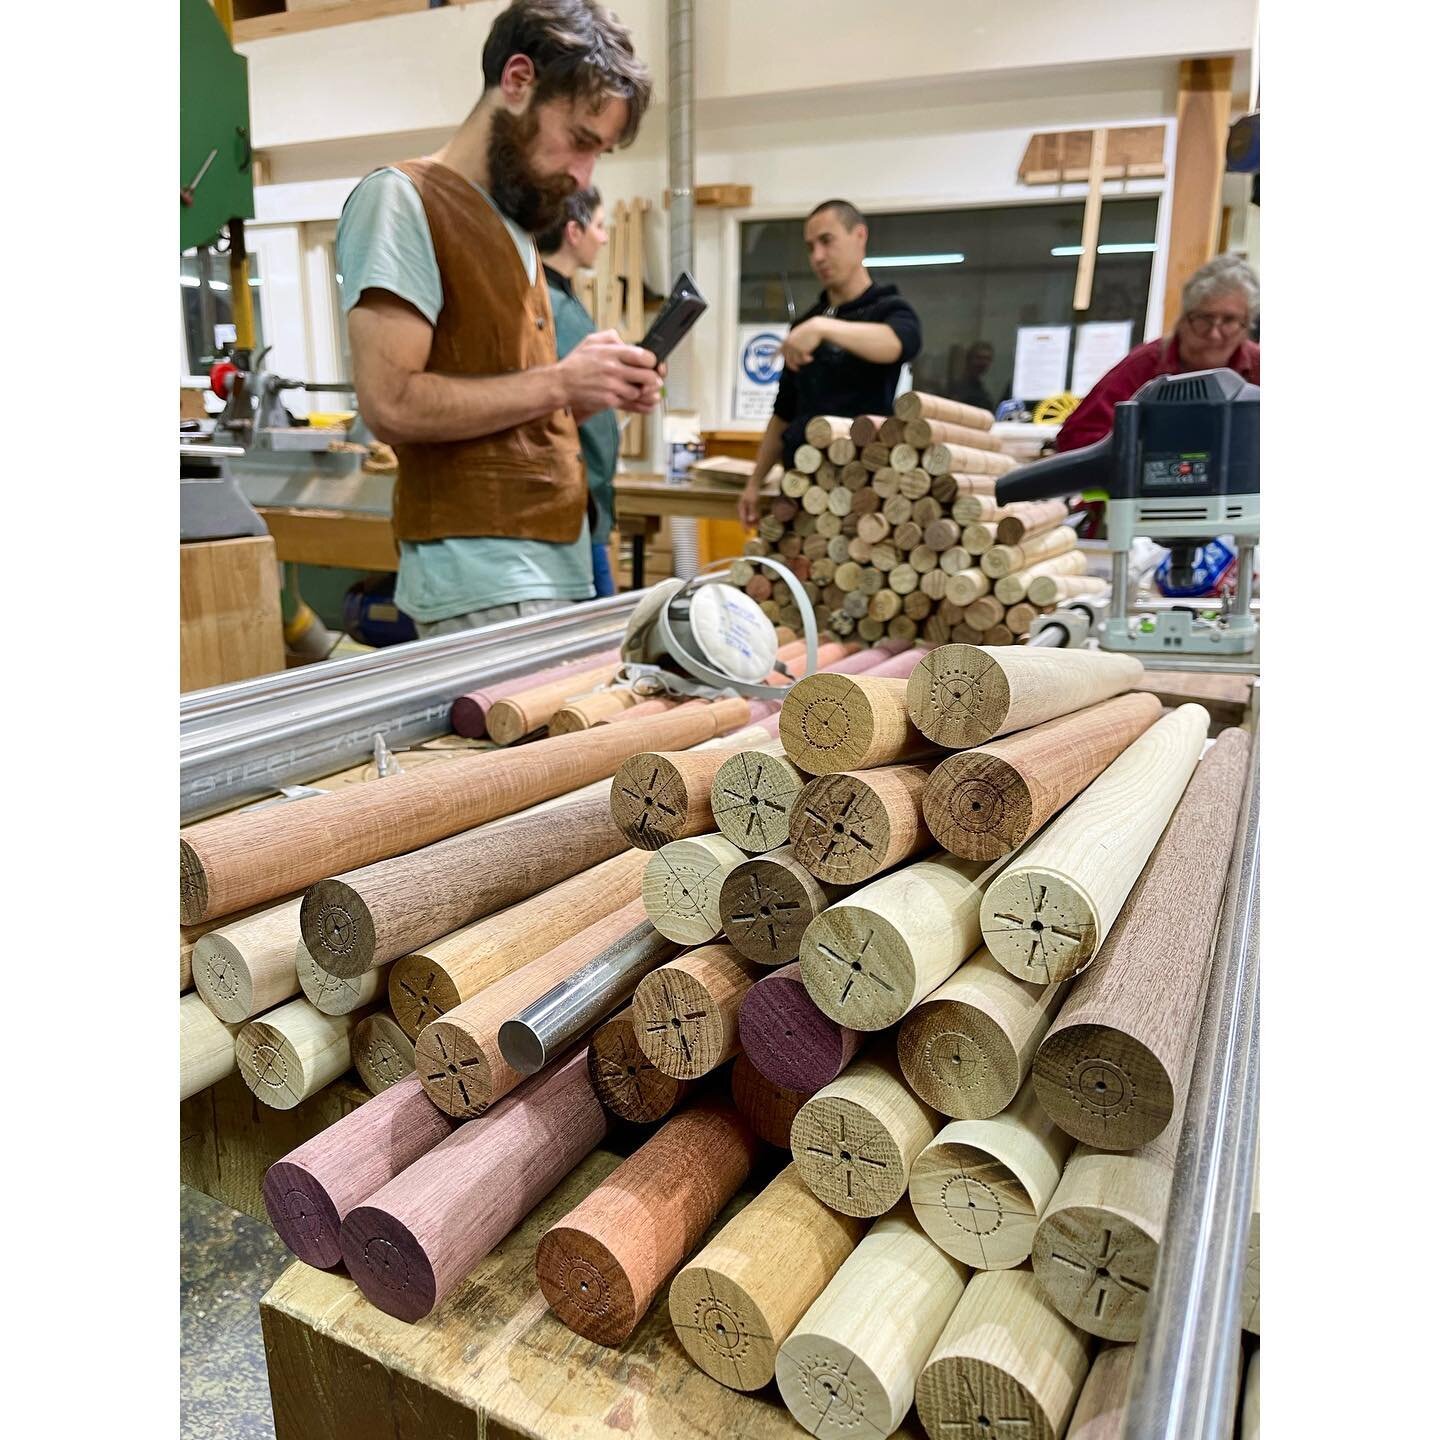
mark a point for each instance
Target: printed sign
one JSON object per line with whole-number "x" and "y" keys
{"x": 757, "y": 376}
{"x": 1100, "y": 345}
{"x": 1042, "y": 358}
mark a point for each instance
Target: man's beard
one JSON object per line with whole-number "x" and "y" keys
{"x": 534, "y": 202}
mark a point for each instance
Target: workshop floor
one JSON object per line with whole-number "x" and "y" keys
{"x": 227, "y": 1262}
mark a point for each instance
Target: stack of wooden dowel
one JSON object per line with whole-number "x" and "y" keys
{"x": 938, "y": 934}
{"x": 892, "y": 527}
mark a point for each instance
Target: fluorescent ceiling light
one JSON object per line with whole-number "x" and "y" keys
{"x": 1139, "y": 248}
{"x": 193, "y": 281}
{"x": 907, "y": 262}
{"x": 253, "y": 280}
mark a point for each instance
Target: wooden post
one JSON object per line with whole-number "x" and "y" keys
{"x": 519, "y": 714}
{"x": 1001, "y": 560}
{"x": 656, "y": 798}
{"x": 788, "y": 1038}
{"x": 681, "y": 887}
{"x": 337, "y": 994}
{"x": 368, "y": 917}
{"x": 856, "y": 1139}
{"x": 848, "y": 827}
{"x": 600, "y": 1266}
{"x": 874, "y": 954}
{"x": 1011, "y": 589}
{"x": 687, "y": 1012}
{"x": 1047, "y": 915}
{"x": 830, "y": 723}
{"x": 963, "y": 695}
{"x": 968, "y": 1046}
{"x": 1114, "y": 1068}
{"x": 458, "y": 1056}
{"x": 383, "y": 1054}
{"x": 767, "y": 902}
{"x": 409, "y": 1243}
{"x": 310, "y": 1191}
{"x": 767, "y": 1108}
{"x": 980, "y": 1186}
{"x": 849, "y": 1367}
{"x": 1090, "y": 225}
{"x": 207, "y": 1046}
{"x": 983, "y": 803}
{"x": 1202, "y": 128}
{"x": 916, "y": 405}
{"x": 628, "y": 1085}
{"x": 291, "y": 1053}
{"x": 248, "y": 966}
{"x": 1100, "y": 1410}
{"x": 243, "y": 858}
{"x": 1003, "y": 1352}
{"x": 737, "y": 1301}
{"x": 429, "y": 983}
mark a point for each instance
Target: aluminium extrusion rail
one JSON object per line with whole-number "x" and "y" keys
{"x": 244, "y": 741}
{"x": 1186, "y": 1378}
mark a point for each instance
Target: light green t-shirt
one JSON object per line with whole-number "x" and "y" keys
{"x": 383, "y": 243}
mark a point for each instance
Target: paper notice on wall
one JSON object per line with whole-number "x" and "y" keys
{"x": 757, "y": 370}
{"x": 1042, "y": 359}
{"x": 1100, "y": 345}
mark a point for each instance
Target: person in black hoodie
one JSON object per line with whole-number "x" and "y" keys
{"x": 843, "y": 356}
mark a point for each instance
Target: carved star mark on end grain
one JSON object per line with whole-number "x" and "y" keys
{"x": 836, "y": 823}
{"x": 856, "y": 968}
{"x": 845, "y": 1153}
{"x": 1050, "y": 940}
{"x": 651, "y": 800}
{"x": 767, "y": 908}
{"x": 676, "y": 1025}
{"x": 1102, "y": 1266}
{"x": 450, "y": 1073}
{"x": 985, "y": 1420}
{"x": 422, "y": 999}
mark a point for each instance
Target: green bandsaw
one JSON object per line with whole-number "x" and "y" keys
{"x": 215, "y": 149}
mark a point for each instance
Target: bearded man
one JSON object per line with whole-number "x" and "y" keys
{"x": 451, "y": 330}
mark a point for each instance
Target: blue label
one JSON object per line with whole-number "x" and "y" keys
{"x": 761, "y": 359}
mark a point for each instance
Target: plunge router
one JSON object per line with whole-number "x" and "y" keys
{"x": 1181, "y": 466}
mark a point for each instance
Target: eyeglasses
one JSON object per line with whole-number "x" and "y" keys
{"x": 1226, "y": 324}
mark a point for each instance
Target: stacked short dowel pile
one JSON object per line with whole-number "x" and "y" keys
{"x": 891, "y": 525}
{"x": 956, "y": 919}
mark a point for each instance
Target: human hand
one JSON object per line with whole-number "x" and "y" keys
{"x": 800, "y": 344}
{"x": 750, "y": 504}
{"x": 604, "y": 373}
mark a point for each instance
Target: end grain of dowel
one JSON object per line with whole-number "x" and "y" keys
{"x": 877, "y": 952}
{"x": 1048, "y": 913}
{"x": 1003, "y": 1352}
{"x": 248, "y": 966}
{"x": 766, "y": 904}
{"x": 1029, "y": 517}
{"x": 1012, "y": 588}
{"x": 850, "y": 1365}
{"x": 983, "y": 803}
{"x": 241, "y": 859}
{"x": 687, "y": 1012}
{"x": 1113, "y": 1070}
{"x": 767, "y": 1108}
{"x": 409, "y": 1243}
{"x": 339, "y": 994}
{"x": 1051, "y": 589}
{"x": 458, "y": 1056}
{"x": 628, "y": 1085}
{"x": 964, "y": 695}
{"x": 788, "y": 1038}
{"x": 369, "y": 917}
{"x": 590, "y": 710}
{"x": 916, "y": 405}
{"x": 601, "y": 1265}
{"x": 831, "y": 723}
{"x": 517, "y": 714}
{"x": 311, "y": 1190}
{"x": 292, "y": 1053}
{"x": 924, "y": 433}
{"x": 737, "y": 1301}
{"x": 426, "y": 985}
{"x": 207, "y": 1046}
{"x": 681, "y": 887}
{"x": 656, "y": 798}
{"x": 1100, "y": 1410}
{"x": 383, "y": 1054}
{"x": 847, "y": 828}
{"x": 980, "y": 1186}
{"x": 966, "y": 1049}
{"x": 856, "y": 1139}
{"x": 1001, "y": 560}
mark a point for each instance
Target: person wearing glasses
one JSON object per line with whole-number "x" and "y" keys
{"x": 1219, "y": 306}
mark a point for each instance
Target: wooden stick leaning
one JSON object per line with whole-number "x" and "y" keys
{"x": 519, "y": 714}
{"x": 1003, "y": 1352}
{"x": 293, "y": 1052}
{"x": 1047, "y": 914}
{"x": 766, "y": 904}
{"x": 687, "y": 1011}
{"x": 382, "y": 1053}
{"x": 241, "y": 859}
{"x": 248, "y": 966}
{"x": 207, "y": 1046}
{"x": 983, "y": 803}
{"x": 601, "y": 1265}
{"x": 848, "y": 827}
{"x": 409, "y": 1243}
{"x": 311, "y": 1190}
{"x": 850, "y": 1365}
{"x": 788, "y": 1038}
{"x": 767, "y": 1108}
{"x": 966, "y": 1049}
{"x": 856, "y": 1139}
{"x": 980, "y": 1186}
{"x": 1100, "y": 1410}
{"x": 877, "y": 952}
{"x": 458, "y": 1056}
{"x": 628, "y": 1085}
{"x": 1114, "y": 1070}
{"x": 737, "y": 1301}
{"x": 964, "y": 695}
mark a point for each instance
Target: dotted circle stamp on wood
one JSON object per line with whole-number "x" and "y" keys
{"x": 269, "y": 1065}
{"x": 387, "y": 1265}
{"x": 336, "y": 930}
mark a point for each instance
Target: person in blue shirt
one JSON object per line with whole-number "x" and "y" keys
{"x": 573, "y": 245}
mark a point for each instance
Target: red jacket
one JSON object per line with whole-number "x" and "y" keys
{"x": 1094, "y": 417}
